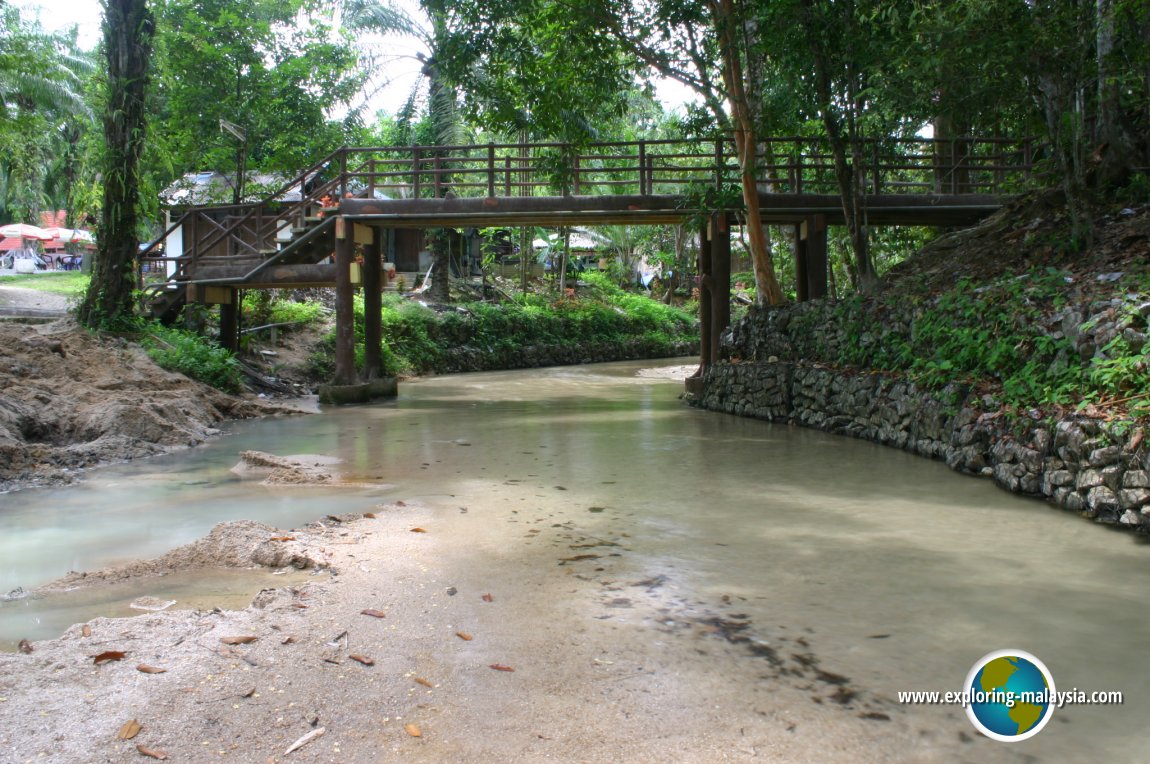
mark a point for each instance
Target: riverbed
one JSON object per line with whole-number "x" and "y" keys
{"x": 845, "y": 570}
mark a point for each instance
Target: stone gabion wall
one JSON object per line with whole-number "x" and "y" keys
{"x": 1099, "y": 469}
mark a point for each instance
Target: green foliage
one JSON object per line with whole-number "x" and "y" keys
{"x": 192, "y": 355}
{"x": 989, "y": 332}
{"x": 267, "y": 307}
{"x": 419, "y": 339}
{"x": 272, "y": 68}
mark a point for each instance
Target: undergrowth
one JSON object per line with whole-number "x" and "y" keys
{"x": 1006, "y": 332}
{"x": 192, "y": 355}
{"x": 419, "y": 338}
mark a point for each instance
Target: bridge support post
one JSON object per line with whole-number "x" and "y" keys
{"x": 344, "y": 310}
{"x": 811, "y": 258}
{"x": 372, "y": 305}
{"x": 720, "y": 236}
{"x": 706, "y": 311}
{"x": 230, "y": 320}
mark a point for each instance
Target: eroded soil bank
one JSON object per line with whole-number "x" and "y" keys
{"x": 70, "y": 400}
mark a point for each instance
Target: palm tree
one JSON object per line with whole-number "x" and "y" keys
{"x": 42, "y": 112}
{"x": 432, "y": 91}
{"x": 129, "y": 28}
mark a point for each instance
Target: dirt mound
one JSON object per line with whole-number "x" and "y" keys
{"x": 238, "y": 544}
{"x": 1033, "y": 231}
{"x": 308, "y": 469}
{"x": 72, "y": 399}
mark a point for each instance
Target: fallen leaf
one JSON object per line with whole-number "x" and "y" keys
{"x": 464, "y": 636}
{"x": 283, "y": 538}
{"x": 25, "y": 646}
{"x": 86, "y": 630}
{"x": 299, "y": 606}
{"x": 488, "y": 598}
{"x": 369, "y": 515}
{"x": 152, "y": 753}
{"x": 418, "y": 530}
{"x": 110, "y": 655}
{"x": 146, "y": 669}
{"x": 501, "y": 667}
{"x": 362, "y": 659}
{"x": 130, "y": 729}
{"x": 317, "y": 732}
{"x": 288, "y": 641}
{"x": 413, "y": 730}
{"x": 244, "y": 640}
{"x": 424, "y": 682}
{"x": 373, "y": 613}
{"x": 578, "y": 558}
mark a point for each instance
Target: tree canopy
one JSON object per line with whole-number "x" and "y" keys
{"x": 259, "y": 85}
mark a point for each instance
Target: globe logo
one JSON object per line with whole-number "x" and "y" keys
{"x": 1009, "y": 694}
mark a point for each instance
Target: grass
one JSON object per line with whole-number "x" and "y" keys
{"x": 67, "y": 283}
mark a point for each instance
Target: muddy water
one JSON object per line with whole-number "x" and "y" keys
{"x": 893, "y": 571}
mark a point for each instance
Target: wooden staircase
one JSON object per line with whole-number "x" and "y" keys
{"x": 272, "y": 243}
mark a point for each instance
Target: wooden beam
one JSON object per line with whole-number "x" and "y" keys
{"x": 720, "y": 235}
{"x": 230, "y": 322}
{"x": 345, "y": 373}
{"x": 706, "y": 309}
{"x": 372, "y": 307}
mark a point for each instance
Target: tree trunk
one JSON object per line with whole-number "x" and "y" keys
{"x": 564, "y": 257}
{"x": 128, "y": 30}
{"x": 1118, "y": 152}
{"x": 768, "y": 290}
{"x": 850, "y": 189}
{"x": 439, "y": 244}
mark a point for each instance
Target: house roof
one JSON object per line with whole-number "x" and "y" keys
{"x": 210, "y": 187}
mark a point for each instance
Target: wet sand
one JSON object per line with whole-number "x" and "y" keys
{"x": 465, "y": 631}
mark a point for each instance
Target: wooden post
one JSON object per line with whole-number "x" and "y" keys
{"x": 801, "y": 293}
{"x": 230, "y": 321}
{"x": 721, "y": 279}
{"x": 372, "y": 307}
{"x": 344, "y": 310}
{"x": 491, "y": 169}
{"x": 644, "y": 187}
{"x": 811, "y": 263}
{"x": 706, "y": 311}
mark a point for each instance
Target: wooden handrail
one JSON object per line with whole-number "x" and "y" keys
{"x": 648, "y": 167}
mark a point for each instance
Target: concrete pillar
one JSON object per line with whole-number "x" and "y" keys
{"x": 344, "y": 309}
{"x": 372, "y": 304}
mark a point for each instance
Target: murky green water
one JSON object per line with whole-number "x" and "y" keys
{"x": 902, "y": 572}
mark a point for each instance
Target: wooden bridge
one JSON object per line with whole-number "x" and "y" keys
{"x": 308, "y": 231}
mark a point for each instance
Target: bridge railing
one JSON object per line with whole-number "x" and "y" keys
{"x": 670, "y": 167}
{"x": 958, "y": 166}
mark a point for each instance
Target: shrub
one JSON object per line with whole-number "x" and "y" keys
{"x": 192, "y": 355}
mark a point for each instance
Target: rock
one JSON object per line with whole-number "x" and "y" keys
{"x": 1136, "y": 479}
{"x": 1133, "y": 498}
{"x": 1103, "y": 504}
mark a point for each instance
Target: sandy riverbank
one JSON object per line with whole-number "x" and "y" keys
{"x": 462, "y": 632}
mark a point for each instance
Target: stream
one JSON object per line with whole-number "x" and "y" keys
{"x": 903, "y": 571}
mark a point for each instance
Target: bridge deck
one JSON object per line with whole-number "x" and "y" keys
{"x": 884, "y": 209}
